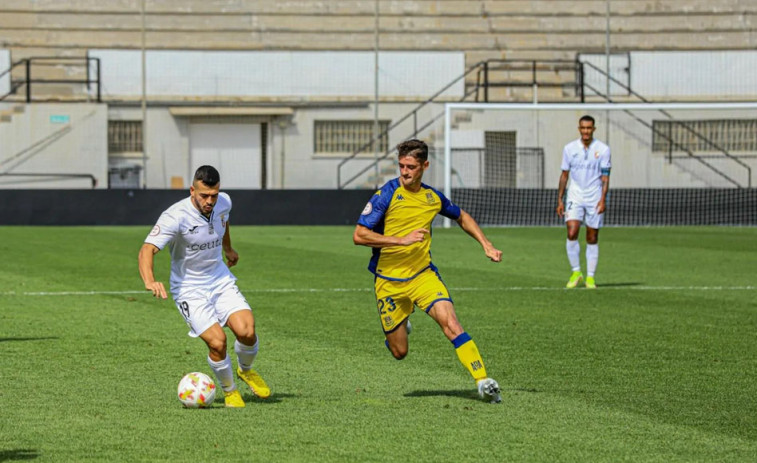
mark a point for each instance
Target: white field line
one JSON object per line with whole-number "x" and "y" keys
{"x": 361, "y": 290}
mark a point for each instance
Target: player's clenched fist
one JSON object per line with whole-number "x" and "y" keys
{"x": 494, "y": 254}
{"x": 415, "y": 236}
{"x": 231, "y": 257}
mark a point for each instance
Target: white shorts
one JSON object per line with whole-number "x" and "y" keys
{"x": 584, "y": 210}
{"x": 202, "y": 308}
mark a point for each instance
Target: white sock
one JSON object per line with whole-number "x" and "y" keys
{"x": 246, "y": 354}
{"x": 224, "y": 373}
{"x": 592, "y": 256}
{"x": 574, "y": 251}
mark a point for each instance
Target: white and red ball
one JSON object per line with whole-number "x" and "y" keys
{"x": 196, "y": 390}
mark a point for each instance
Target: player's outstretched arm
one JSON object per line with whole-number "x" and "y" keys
{"x": 146, "y": 259}
{"x": 364, "y": 236}
{"x": 232, "y": 257}
{"x": 470, "y": 226}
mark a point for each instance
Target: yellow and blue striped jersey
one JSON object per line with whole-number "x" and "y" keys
{"x": 395, "y": 211}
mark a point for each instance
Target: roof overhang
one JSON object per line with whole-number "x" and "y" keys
{"x": 194, "y": 111}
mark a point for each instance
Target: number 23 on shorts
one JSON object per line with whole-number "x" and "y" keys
{"x": 388, "y": 306}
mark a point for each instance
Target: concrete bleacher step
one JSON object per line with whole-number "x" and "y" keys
{"x": 511, "y": 30}
{"x": 501, "y": 29}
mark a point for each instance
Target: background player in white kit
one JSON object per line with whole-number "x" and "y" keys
{"x": 196, "y": 230}
{"x": 587, "y": 162}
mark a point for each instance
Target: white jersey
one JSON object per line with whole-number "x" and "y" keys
{"x": 586, "y": 166}
{"x": 195, "y": 242}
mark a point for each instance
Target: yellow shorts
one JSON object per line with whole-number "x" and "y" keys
{"x": 396, "y": 300}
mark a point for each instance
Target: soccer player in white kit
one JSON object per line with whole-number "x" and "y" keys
{"x": 587, "y": 162}
{"x": 196, "y": 231}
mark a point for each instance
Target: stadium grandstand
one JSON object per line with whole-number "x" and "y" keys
{"x": 312, "y": 95}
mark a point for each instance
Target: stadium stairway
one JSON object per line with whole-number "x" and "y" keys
{"x": 500, "y": 29}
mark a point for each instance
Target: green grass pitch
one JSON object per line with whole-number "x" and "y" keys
{"x": 659, "y": 364}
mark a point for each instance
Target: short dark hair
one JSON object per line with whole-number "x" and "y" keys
{"x": 414, "y": 148}
{"x": 586, "y": 117}
{"x": 208, "y": 175}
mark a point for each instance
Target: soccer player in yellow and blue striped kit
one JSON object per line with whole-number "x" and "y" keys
{"x": 396, "y": 223}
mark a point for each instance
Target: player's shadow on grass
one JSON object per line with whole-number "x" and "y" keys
{"x": 462, "y": 394}
{"x": 251, "y": 399}
{"x": 276, "y": 397}
{"x": 18, "y": 454}
{"x": 621, "y": 284}
{"x": 28, "y": 339}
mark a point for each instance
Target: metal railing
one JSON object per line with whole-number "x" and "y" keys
{"x": 671, "y": 142}
{"x": 30, "y": 66}
{"x": 416, "y": 129}
{"x": 488, "y": 74}
{"x": 499, "y": 73}
{"x": 49, "y": 177}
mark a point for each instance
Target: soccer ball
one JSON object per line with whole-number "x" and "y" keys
{"x": 196, "y": 390}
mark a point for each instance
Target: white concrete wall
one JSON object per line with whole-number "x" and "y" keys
{"x": 634, "y": 164}
{"x": 55, "y": 138}
{"x": 303, "y": 167}
{"x": 5, "y": 64}
{"x": 695, "y": 75}
{"x": 72, "y": 138}
{"x": 279, "y": 74}
{"x": 701, "y": 75}
{"x": 290, "y": 144}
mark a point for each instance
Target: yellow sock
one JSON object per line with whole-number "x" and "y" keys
{"x": 468, "y": 354}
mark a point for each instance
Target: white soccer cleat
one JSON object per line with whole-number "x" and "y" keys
{"x": 408, "y": 326}
{"x": 488, "y": 388}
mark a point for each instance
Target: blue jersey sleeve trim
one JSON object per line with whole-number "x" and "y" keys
{"x": 606, "y": 172}
{"x": 461, "y": 339}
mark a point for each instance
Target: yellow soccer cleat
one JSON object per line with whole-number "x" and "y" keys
{"x": 233, "y": 399}
{"x": 590, "y": 283}
{"x": 575, "y": 278}
{"x": 256, "y": 383}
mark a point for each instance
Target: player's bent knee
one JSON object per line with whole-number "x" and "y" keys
{"x": 217, "y": 346}
{"x": 398, "y": 351}
{"x": 242, "y": 324}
